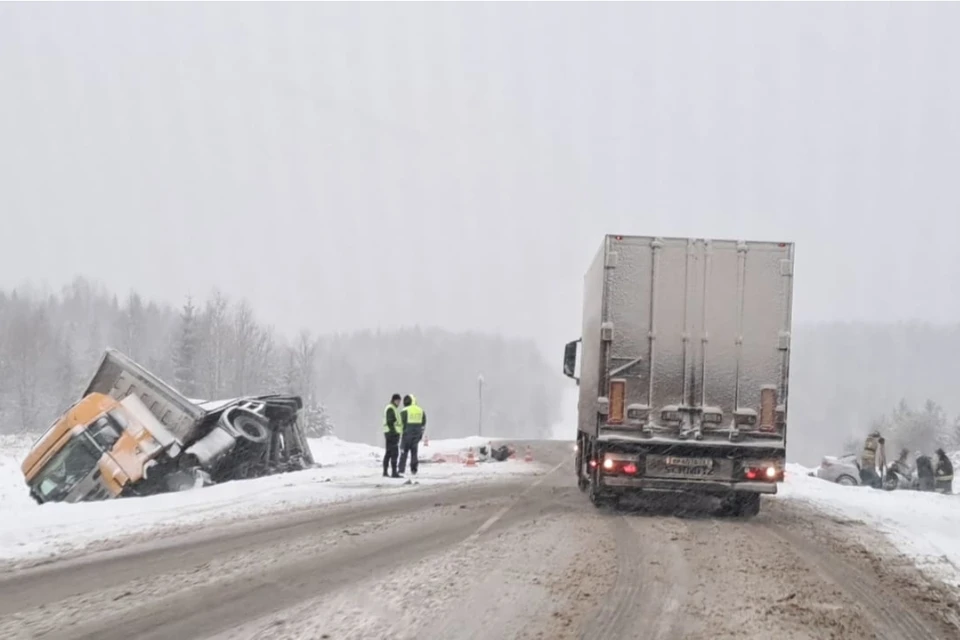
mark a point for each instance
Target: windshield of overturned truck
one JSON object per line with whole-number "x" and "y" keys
{"x": 77, "y": 460}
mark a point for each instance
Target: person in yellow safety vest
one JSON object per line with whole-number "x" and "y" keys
{"x": 392, "y": 430}
{"x": 944, "y": 473}
{"x": 872, "y": 458}
{"x": 414, "y": 422}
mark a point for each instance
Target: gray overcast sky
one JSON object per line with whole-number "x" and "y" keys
{"x": 355, "y": 165}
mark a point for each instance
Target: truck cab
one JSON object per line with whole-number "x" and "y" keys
{"x": 80, "y": 456}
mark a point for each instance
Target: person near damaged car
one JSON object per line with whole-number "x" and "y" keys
{"x": 414, "y": 422}
{"x": 392, "y": 431}
{"x": 944, "y": 473}
{"x": 872, "y": 459}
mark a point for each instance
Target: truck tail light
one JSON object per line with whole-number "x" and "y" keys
{"x": 615, "y": 464}
{"x": 618, "y": 397}
{"x": 762, "y": 472}
{"x": 768, "y": 408}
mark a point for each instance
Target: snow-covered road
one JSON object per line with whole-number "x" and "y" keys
{"x": 338, "y": 551}
{"x": 524, "y": 557}
{"x": 349, "y": 471}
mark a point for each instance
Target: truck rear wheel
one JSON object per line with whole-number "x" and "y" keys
{"x": 745, "y": 505}
{"x": 583, "y": 471}
{"x": 598, "y": 496}
{"x": 583, "y": 482}
{"x": 749, "y": 505}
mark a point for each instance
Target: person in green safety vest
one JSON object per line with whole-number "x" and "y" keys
{"x": 392, "y": 430}
{"x": 414, "y": 422}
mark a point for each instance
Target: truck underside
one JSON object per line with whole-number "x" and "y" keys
{"x": 246, "y": 438}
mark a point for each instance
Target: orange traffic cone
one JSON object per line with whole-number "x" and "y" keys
{"x": 528, "y": 457}
{"x": 471, "y": 461}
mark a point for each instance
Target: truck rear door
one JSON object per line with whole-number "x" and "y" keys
{"x": 699, "y": 333}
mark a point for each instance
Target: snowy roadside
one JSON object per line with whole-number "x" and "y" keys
{"x": 349, "y": 471}
{"x": 922, "y": 526}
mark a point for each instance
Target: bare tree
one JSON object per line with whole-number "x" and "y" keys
{"x": 301, "y": 368}
{"x": 246, "y": 336}
{"x": 215, "y": 346}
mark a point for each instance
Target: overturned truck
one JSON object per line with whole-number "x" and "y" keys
{"x": 131, "y": 434}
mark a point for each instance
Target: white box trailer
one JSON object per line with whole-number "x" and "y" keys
{"x": 684, "y": 368}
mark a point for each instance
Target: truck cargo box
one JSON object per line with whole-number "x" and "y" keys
{"x": 687, "y": 338}
{"x": 119, "y": 376}
{"x": 684, "y": 372}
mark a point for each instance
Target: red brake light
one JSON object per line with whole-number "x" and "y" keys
{"x": 630, "y": 468}
{"x": 593, "y": 464}
{"x": 764, "y": 473}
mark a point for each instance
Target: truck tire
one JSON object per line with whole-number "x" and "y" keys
{"x": 249, "y": 426}
{"x": 740, "y": 505}
{"x": 748, "y": 505}
{"x": 583, "y": 471}
{"x": 600, "y": 498}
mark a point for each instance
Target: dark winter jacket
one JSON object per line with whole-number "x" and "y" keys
{"x": 944, "y": 468}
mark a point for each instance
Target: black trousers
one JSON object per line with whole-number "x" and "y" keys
{"x": 392, "y": 443}
{"x": 409, "y": 445}
{"x": 870, "y": 478}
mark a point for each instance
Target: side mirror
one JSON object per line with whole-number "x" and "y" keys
{"x": 570, "y": 360}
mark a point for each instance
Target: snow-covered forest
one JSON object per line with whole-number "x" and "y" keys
{"x": 216, "y": 348}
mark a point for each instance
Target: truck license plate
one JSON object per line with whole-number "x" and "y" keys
{"x": 680, "y": 466}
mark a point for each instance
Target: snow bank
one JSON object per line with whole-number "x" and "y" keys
{"x": 348, "y": 471}
{"x": 332, "y": 451}
{"x": 13, "y": 493}
{"x": 922, "y": 526}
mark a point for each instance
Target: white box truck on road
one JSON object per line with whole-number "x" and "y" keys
{"x": 684, "y": 369}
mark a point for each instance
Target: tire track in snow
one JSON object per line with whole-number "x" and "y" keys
{"x": 893, "y": 621}
{"x": 652, "y": 579}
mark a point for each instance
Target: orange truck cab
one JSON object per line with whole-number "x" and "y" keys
{"x": 97, "y": 450}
